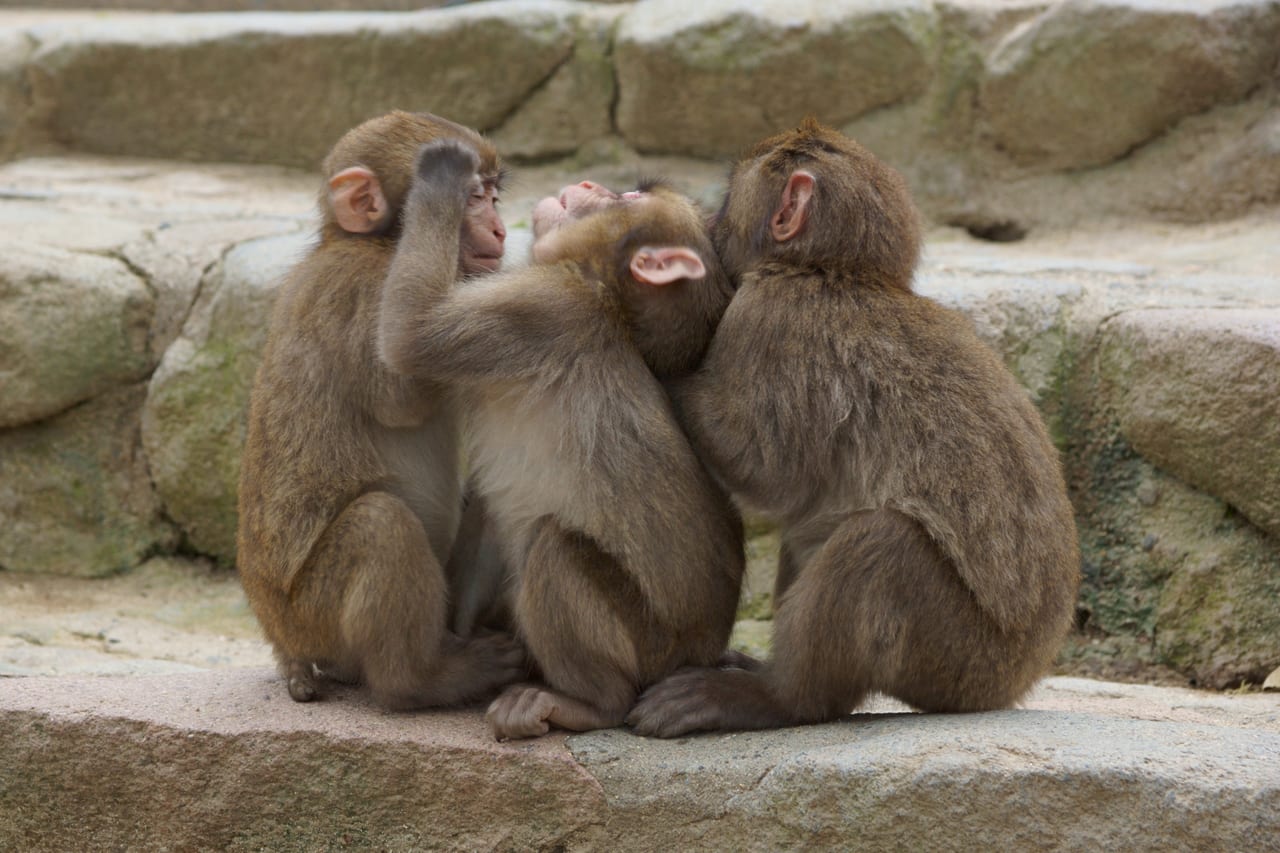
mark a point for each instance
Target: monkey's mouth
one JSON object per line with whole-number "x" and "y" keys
{"x": 487, "y": 263}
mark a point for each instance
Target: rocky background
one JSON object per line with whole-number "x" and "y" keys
{"x": 1126, "y": 156}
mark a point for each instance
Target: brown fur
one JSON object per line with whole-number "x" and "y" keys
{"x": 929, "y": 550}
{"x": 349, "y": 494}
{"x": 627, "y": 559}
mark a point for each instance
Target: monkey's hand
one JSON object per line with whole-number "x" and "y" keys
{"x": 447, "y": 173}
{"x": 699, "y": 699}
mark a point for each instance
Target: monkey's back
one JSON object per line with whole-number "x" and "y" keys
{"x": 594, "y": 443}
{"x": 320, "y": 412}
{"x": 821, "y": 393}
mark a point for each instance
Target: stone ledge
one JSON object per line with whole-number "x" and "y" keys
{"x": 225, "y": 760}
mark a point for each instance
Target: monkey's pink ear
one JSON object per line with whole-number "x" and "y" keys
{"x": 665, "y": 264}
{"x": 356, "y": 198}
{"x": 793, "y": 211}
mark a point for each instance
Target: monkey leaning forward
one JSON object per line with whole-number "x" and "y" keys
{"x": 349, "y": 487}
{"x": 929, "y": 551}
{"x": 627, "y": 559}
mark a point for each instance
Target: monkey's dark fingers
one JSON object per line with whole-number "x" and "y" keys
{"x": 448, "y": 166}
{"x": 687, "y": 701}
{"x": 502, "y": 653}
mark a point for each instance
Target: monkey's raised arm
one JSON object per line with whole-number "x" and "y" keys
{"x": 426, "y": 260}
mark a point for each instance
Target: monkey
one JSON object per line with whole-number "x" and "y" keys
{"x": 625, "y": 557}
{"x": 929, "y": 551}
{"x": 350, "y": 493}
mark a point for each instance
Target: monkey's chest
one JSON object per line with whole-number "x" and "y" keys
{"x": 525, "y": 458}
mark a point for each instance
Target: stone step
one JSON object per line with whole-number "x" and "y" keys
{"x": 1004, "y": 114}
{"x": 225, "y": 760}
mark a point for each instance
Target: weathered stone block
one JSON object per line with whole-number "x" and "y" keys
{"x": 1088, "y": 80}
{"x": 574, "y": 105}
{"x": 711, "y": 79}
{"x": 193, "y": 423}
{"x": 278, "y": 88}
{"x": 225, "y": 760}
{"x": 1199, "y": 395}
{"x": 72, "y": 326}
{"x": 75, "y": 493}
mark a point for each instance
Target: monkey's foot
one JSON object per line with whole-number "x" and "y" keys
{"x": 530, "y": 710}
{"x": 698, "y": 699}
{"x": 302, "y": 681}
{"x": 496, "y": 659}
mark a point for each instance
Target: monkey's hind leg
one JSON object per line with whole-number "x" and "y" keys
{"x": 838, "y": 628}
{"x": 579, "y": 614}
{"x": 375, "y": 570}
{"x": 880, "y": 607}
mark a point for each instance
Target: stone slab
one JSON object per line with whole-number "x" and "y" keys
{"x": 224, "y": 759}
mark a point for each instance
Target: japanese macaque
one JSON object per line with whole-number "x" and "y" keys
{"x": 929, "y": 550}
{"x": 349, "y": 485}
{"x": 626, "y": 558}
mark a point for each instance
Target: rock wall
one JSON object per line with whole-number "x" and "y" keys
{"x": 1004, "y": 114}
{"x": 134, "y": 296}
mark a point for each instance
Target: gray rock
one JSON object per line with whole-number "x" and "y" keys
{"x": 176, "y": 257}
{"x": 1173, "y": 575}
{"x": 72, "y": 326}
{"x": 194, "y": 420}
{"x": 106, "y": 759}
{"x": 243, "y": 95}
{"x": 1088, "y": 80}
{"x": 713, "y": 78}
{"x": 574, "y": 105}
{"x": 75, "y": 493}
{"x": 1199, "y": 395}
{"x": 15, "y": 49}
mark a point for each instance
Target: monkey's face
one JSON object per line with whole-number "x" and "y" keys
{"x": 483, "y": 234}
{"x": 555, "y": 217}
{"x": 650, "y": 250}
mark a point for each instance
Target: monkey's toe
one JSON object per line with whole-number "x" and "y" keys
{"x": 302, "y": 689}
{"x": 520, "y": 712}
{"x": 302, "y": 681}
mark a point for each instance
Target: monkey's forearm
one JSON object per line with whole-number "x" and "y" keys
{"x": 421, "y": 275}
{"x": 425, "y": 264}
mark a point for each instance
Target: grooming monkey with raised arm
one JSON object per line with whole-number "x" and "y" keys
{"x": 349, "y": 487}
{"x": 626, "y": 558}
{"x": 929, "y": 551}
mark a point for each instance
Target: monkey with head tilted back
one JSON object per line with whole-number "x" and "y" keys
{"x": 349, "y": 489}
{"x": 626, "y": 559}
{"x": 929, "y": 551}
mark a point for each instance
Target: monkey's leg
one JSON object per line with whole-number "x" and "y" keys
{"x": 476, "y": 572}
{"x": 838, "y": 630}
{"x": 375, "y": 572}
{"x": 578, "y": 613}
{"x": 880, "y": 607}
